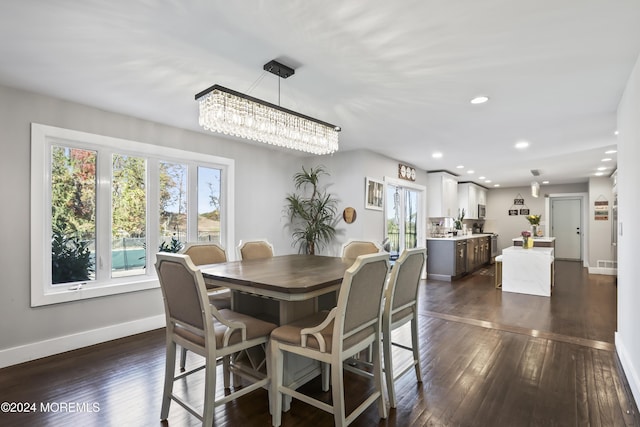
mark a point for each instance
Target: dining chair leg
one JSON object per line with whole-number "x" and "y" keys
{"x": 325, "y": 371}
{"x": 276, "y": 363}
{"x": 337, "y": 393}
{"x": 388, "y": 364}
{"x": 226, "y": 372}
{"x": 209, "y": 391}
{"x": 378, "y": 379}
{"x": 169, "y": 373}
{"x": 183, "y": 358}
{"x": 416, "y": 347}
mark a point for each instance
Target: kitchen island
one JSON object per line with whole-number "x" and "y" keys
{"x": 528, "y": 271}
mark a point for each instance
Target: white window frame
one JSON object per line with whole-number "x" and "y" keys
{"x": 42, "y": 138}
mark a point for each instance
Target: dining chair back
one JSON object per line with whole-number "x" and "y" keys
{"x": 254, "y": 249}
{"x": 400, "y": 307}
{"x": 353, "y": 248}
{"x": 196, "y": 325}
{"x": 353, "y": 325}
{"x": 202, "y": 253}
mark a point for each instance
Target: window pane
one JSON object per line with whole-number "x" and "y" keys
{"x": 173, "y": 205}
{"x": 73, "y": 214}
{"x": 128, "y": 228}
{"x": 209, "y": 204}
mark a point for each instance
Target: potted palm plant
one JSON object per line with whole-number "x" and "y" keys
{"x": 312, "y": 212}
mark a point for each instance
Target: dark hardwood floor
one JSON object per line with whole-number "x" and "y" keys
{"x": 488, "y": 359}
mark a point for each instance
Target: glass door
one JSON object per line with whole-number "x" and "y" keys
{"x": 402, "y": 214}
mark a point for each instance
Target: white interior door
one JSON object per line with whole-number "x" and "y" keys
{"x": 566, "y": 227}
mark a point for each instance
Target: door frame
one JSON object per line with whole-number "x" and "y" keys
{"x": 584, "y": 223}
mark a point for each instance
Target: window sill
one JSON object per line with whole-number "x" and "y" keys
{"x": 41, "y": 297}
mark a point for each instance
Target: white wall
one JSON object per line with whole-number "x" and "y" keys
{"x": 263, "y": 177}
{"x": 500, "y": 200}
{"x": 600, "y": 188}
{"x": 628, "y": 334}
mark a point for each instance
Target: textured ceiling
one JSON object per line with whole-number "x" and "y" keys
{"x": 396, "y": 76}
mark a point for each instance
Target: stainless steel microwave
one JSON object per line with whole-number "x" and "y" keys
{"x": 482, "y": 211}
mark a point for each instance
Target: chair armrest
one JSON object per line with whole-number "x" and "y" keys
{"x": 316, "y": 331}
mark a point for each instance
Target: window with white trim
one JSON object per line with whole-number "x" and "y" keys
{"x": 101, "y": 208}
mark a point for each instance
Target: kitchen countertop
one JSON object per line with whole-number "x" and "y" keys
{"x": 465, "y": 237}
{"x": 537, "y": 239}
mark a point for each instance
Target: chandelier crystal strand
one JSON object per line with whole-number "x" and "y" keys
{"x": 230, "y": 114}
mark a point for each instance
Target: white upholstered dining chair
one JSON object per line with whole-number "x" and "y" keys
{"x": 198, "y": 326}
{"x": 203, "y": 253}
{"x": 400, "y": 307}
{"x": 331, "y": 338}
{"x": 353, "y": 248}
{"x": 254, "y": 249}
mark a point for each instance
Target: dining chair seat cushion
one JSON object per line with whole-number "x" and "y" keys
{"x": 255, "y": 328}
{"x": 291, "y": 333}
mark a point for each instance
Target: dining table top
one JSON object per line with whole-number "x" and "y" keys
{"x": 285, "y": 274}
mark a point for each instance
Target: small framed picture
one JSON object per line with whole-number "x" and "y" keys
{"x": 374, "y": 194}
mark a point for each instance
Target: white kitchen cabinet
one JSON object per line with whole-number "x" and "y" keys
{"x": 468, "y": 199}
{"x": 442, "y": 195}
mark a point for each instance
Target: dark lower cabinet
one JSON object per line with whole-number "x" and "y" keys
{"x": 449, "y": 259}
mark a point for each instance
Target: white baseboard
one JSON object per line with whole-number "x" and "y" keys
{"x": 629, "y": 370}
{"x": 605, "y": 271}
{"x": 49, "y": 347}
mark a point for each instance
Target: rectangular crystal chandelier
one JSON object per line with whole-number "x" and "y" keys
{"x": 233, "y": 113}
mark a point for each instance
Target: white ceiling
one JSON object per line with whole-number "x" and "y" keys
{"x": 397, "y": 76}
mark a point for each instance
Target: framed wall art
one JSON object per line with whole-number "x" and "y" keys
{"x": 374, "y": 194}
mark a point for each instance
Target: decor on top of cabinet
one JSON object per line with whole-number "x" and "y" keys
{"x": 527, "y": 241}
{"x": 312, "y": 214}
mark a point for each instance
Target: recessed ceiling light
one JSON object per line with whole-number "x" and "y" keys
{"x": 479, "y": 99}
{"x": 471, "y": 172}
{"x": 616, "y": 133}
{"x": 606, "y": 159}
{"x": 602, "y": 168}
{"x": 610, "y": 151}
{"x": 488, "y": 181}
{"x": 437, "y": 155}
{"x": 599, "y": 173}
{"x": 460, "y": 167}
{"x": 545, "y": 182}
{"x": 481, "y": 177}
{"x": 521, "y": 145}
{"x": 496, "y": 185}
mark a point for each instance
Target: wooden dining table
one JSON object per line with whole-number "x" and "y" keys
{"x": 282, "y": 289}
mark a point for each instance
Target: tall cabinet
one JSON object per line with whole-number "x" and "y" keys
{"x": 471, "y": 195}
{"x": 442, "y": 195}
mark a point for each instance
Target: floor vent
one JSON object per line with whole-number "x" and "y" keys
{"x": 607, "y": 264}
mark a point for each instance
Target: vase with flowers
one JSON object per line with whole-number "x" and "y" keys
{"x": 534, "y": 220}
{"x": 527, "y": 242}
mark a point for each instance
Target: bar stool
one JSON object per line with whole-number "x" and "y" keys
{"x": 498, "y": 273}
